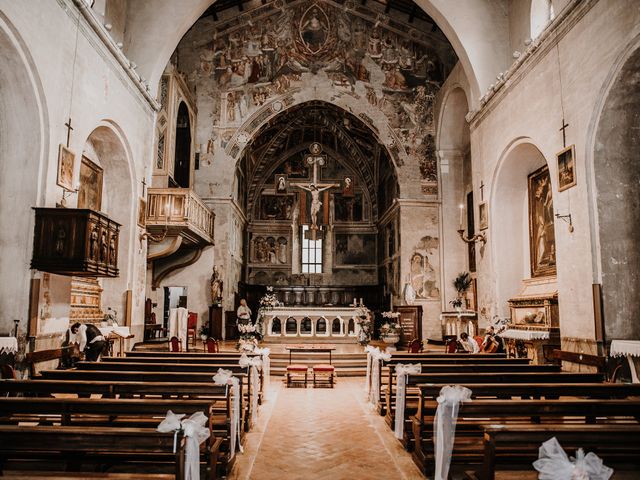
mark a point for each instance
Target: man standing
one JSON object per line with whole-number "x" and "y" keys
{"x": 89, "y": 339}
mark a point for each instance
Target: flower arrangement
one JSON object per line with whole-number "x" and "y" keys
{"x": 203, "y": 332}
{"x": 364, "y": 320}
{"x": 391, "y": 325}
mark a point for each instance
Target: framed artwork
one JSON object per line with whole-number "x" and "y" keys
{"x": 90, "y": 191}
{"x": 66, "y": 164}
{"x": 355, "y": 249}
{"x": 542, "y": 243}
{"x": 282, "y": 184}
{"x": 142, "y": 213}
{"x": 348, "y": 186}
{"x": 566, "y": 168}
{"x": 483, "y": 216}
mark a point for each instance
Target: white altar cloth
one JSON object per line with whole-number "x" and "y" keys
{"x": 621, "y": 348}
{"x": 525, "y": 334}
{"x": 8, "y": 344}
{"x": 120, "y": 331}
{"x": 178, "y": 318}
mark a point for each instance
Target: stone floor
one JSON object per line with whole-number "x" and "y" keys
{"x": 321, "y": 433}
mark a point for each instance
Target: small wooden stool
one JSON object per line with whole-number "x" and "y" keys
{"x": 323, "y": 370}
{"x": 297, "y": 369}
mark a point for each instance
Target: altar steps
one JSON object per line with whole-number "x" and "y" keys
{"x": 347, "y": 364}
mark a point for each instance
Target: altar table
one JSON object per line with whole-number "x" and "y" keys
{"x": 319, "y": 348}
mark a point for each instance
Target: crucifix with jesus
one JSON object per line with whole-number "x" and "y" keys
{"x": 315, "y": 160}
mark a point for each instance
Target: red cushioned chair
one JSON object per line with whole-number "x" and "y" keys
{"x": 192, "y": 325}
{"x": 212, "y": 346}
{"x": 325, "y": 372}
{"x": 415, "y": 346}
{"x": 296, "y": 369}
{"x": 174, "y": 345}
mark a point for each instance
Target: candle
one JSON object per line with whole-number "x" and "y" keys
{"x": 461, "y": 216}
{"x": 355, "y": 304}
{"x": 361, "y": 301}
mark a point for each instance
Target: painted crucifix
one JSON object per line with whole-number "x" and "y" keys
{"x": 315, "y": 160}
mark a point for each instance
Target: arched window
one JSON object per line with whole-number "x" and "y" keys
{"x": 276, "y": 326}
{"x": 541, "y": 15}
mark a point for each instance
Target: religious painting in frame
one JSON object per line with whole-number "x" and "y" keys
{"x": 281, "y": 184}
{"x": 66, "y": 164}
{"x": 355, "y": 249}
{"x": 542, "y": 244}
{"x": 348, "y": 186}
{"x": 90, "y": 191}
{"x": 566, "y": 168}
{"x": 142, "y": 213}
{"x": 483, "y": 216}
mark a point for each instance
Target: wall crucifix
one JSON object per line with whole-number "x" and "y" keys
{"x": 315, "y": 160}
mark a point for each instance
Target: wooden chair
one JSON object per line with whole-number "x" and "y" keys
{"x": 174, "y": 345}
{"x": 212, "y": 346}
{"x": 415, "y": 346}
{"x": 192, "y": 325}
{"x": 152, "y": 329}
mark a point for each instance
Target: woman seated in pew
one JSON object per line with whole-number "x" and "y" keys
{"x": 492, "y": 343}
{"x": 467, "y": 344}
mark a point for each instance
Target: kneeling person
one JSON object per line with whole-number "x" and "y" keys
{"x": 90, "y": 340}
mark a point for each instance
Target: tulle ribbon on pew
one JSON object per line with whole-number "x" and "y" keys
{"x": 225, "y": 377}
{"x": 554, "y": 464}
{"x": 367, "y": 385}
{"x": 266, "y": 365}
{"x": 402, "y": 370}
{"x": 376, "y": 356}
{"x": 253, "y": 364}
{"x": 444, "y": 426}
{"x": 195, "y": 430}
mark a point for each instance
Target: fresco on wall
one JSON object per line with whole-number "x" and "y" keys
{"x": 423, "y": 268}
{"x": 276, "y": 207}
{"x": 347, "y": 208}
{"x": 270, "y": 250}
{"x": 355, "y": 249}
{"x": 394, "y": 67}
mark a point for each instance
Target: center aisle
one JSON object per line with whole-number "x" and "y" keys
{"x": 322, "y": 433}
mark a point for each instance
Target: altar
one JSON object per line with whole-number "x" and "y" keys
{"x": 337, "y": 324}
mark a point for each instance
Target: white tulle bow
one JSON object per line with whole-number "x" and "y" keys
{"x": 253, "y": 363}
{"x": 554, "y": 464}
{"x": 367, "y": 384}
{"x": 377, "y": 356}
{"x": 266, "y": 365}
{"x": 402, "y": 370}
{"x": 195, "y": 430}
{"x": 225, "y": 377}
{"x": 444, "y": 426}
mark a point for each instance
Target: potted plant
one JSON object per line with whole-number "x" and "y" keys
{"x": 204, "y": 332}
{"x": 390, "y": 330}
{"x": 461, "y": 283}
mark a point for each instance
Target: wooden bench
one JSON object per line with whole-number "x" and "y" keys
{"x": 167, "y": 354}
{"x": 511, "y": 445}
{"x": 472, "y": 417}
{"x": 76, "y": 448}
{"x": 463, "y": 378}
{"x": 218, "y": 396}
{"x": 147, "y": 376}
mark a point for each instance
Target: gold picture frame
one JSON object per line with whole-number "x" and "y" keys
{"x": 66, "y": 165}
{"x": 566, "y": 159}
{"x": 142, "y": 212}
{"x": 483, "y": 215}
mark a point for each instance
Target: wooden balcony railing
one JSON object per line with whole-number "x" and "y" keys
{"x": 179, "y": 211}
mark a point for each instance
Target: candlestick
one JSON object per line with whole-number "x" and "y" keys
{"x": 461, "y": 215}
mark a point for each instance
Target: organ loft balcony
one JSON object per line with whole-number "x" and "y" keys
{"x": 178, "y": 226}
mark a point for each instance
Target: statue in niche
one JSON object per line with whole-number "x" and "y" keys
{"x": 216, "y": 285}
{"x": 271, "y": 250}
{"x": 282, "y": 250}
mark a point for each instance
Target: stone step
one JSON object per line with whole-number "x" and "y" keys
{"x": 340, "y": 372}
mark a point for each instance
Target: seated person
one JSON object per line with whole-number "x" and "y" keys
{"x": 244, "y": 313}
{"x": 468, "y": 344}
{"x": 492, "y": 342}
{"x": 89, "y": 339}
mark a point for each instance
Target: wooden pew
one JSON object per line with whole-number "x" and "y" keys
{"x": 218, "y": 396}
{"x": 463, "y": 378}
{"x": 511, "y": 445}
{"x": 76, "y": 448}
{"x": 150, "y": 376}
{"x": 388, "y": 399}
{"x": 166, "y": 354}
{"x": 474, "y": 415}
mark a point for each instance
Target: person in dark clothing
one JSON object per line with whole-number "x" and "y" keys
{"x": 89, "y": 339}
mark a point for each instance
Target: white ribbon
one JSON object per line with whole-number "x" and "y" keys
{"x": 376, "y": 357}
{"x": 253, "y": 364}
{"x": 402, "y": 370}
{"x": 554, "y": 464}
{"x": 444, "y": 426}
{"x": 195, "y": 430}
{"x": 367, "y": 385}
{"x": 266, "y": 366}
{"x": 225, "y": 377}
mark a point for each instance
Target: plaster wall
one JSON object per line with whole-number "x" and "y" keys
{"x": 562, "y": 76}
{"x": 102, "y": 95}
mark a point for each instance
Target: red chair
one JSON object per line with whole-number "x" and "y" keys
{"x": 174, "y": 345}
{"x": 192, "y": 325}
{"x": 415, "y": 346}
{"x": 212, "y": 345}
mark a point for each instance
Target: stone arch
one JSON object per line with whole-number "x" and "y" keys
{"x": 509, "y": 219}
{"x": 24, "y": 147}
{"x": 453, "y": 144}
{"x": 615, "y": 175}
{"x": 108, "y": 146}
